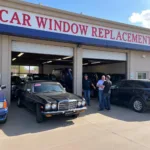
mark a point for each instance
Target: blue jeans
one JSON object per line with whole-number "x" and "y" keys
{"x": 87, "y": 94}
{"x": 107, "y": 101}
{"x": 101, "y": 99}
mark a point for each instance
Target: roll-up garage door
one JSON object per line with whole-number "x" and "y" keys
{"x": 41, "y": 49}
{"x": 105, "y": 55}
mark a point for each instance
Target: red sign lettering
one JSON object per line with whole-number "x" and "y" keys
{"x": 134, "y": 38}
{"x": 66, "y": 26}
{"x": 41, "y": 22}
{"x": 26, "y": 20}
{"x": 57, "y": 25}
{"x": 83, "y": 29}
{"x": 1, "y": 15}
{"x": 94, "y": 32}
{"x": 119, "y": 36}
{"x": 15, "y": 18}
{"x": 107, "y": 32}
{"x": 140, "y": 39}
{"x": 101, "y": 32}
{"x": 124, "y": 36}
{"x": 111, "y": 35}
{"x": 74, "y": 28}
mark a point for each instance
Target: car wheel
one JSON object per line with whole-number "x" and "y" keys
{"x": 75, "y": 115}
{"x": 39, "y": 116}
{"x": 4, "y": 121}
{"x": 19, "y": 103}
{"x": 138, "y": 105}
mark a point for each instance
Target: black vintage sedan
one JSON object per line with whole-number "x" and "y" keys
{"x": 47, "y": 99}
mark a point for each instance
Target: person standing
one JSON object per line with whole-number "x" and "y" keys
{"x": 100, "y": 92}
{"x": 107, "y": 87}
{"x": 87, "y": 89}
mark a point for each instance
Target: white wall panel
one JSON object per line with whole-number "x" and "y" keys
{"x": 95, "y": 54}
{"x": 118, "y": 68}
{"x": 41, "y": 49}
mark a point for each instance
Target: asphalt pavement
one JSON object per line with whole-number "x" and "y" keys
{"x": 118, "y": 129}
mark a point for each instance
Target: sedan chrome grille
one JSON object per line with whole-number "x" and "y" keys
{"x": 67, "y": 104}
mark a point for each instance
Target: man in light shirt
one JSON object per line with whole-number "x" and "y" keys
{"x": 100, "y": 92}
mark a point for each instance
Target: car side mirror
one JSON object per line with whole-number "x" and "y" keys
{"x": 64, "y": 89}
{"x": 3, "y": 87}
{"x": 29, "y": 90}
{"x": 116, "y": 87}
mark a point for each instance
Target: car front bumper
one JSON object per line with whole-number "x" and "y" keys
{"x": 3, "y": 114}
{"x": 65, "y": 112}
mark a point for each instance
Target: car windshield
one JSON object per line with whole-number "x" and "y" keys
{"x": 47, "y": 87}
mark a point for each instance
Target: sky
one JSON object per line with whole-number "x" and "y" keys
{"x": 135, "y": 12}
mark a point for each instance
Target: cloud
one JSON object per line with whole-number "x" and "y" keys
{"x": 142, "y": 18}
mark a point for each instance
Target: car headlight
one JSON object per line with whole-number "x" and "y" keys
{"x": 79, "y": 104}
{"x": 47, "y": 106}
{"x": 54, "y": 106}
{"x": 83, "y": 99}
{"x": 83, "y": 103}
{"x": 1, "y": 104}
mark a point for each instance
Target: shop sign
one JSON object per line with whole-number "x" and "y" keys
{"x": 34, "y": 21}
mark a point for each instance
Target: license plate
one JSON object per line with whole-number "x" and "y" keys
{"x": 69, "y": 113}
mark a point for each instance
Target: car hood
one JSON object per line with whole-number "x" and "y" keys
{"x": 2, "y": 97}
{"x": 59, "y": 96}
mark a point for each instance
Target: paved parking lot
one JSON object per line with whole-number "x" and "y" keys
{"x": 118, "y": 129}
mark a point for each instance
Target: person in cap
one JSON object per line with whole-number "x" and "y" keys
{"x": 107, "y": 89}
{"x": 87, "y": 88}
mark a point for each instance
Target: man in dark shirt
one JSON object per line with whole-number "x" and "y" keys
{"x": 87, "y": 88}
{"x": 107, "y": 85}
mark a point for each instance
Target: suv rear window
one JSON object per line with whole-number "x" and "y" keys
{"x": 127, "y": 84}
{"x": 147, "y": 84}
{"x": 141, "y": 84}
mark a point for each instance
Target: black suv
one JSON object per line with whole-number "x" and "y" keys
{"x": 134, "y": 93}
{"x": 33, "y": 77}
{"x": 16, "y": 82}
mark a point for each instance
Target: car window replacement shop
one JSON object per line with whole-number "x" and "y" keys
{"x": 42, "y": 40}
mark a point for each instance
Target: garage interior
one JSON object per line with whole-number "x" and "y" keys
{"x": 31, "y": 58}
{"x": 38, "y": 63}
{"x": 97, "y": 63}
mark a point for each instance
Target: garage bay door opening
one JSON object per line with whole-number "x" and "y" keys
{"x": 41, "y": 62}
{"x": 98, "y": 63}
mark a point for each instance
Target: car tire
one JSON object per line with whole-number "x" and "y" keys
{"x": 19, "y": 103}
{"x": 138, "y": 105}
{"x": 39, "y": 116}
{"x": 4, "y": 121}
{"x": 75, "y": 115}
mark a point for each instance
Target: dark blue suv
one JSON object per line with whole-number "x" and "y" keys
{"x": 3, "y": 105}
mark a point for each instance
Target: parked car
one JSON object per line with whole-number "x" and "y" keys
{"x": 32, "y": 77}
{"x": 133, "y": 93}
{"x": 65, "y": 77}
{"x": 117, "y": 77}
{"x": 16, "y": 82}
{"x": 3, "y": 105}
{"x": 48, "y": 99}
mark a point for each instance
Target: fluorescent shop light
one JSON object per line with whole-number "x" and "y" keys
{"x": 67, "y": 57}
{"x": 13, "y": 59}
{"x": 58, "y": 59}
{"x": 96, "y": 62}
{"x": 19, "y": 55}
{"x": 49, "y": 61}
{"x": 85, "y": 64}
